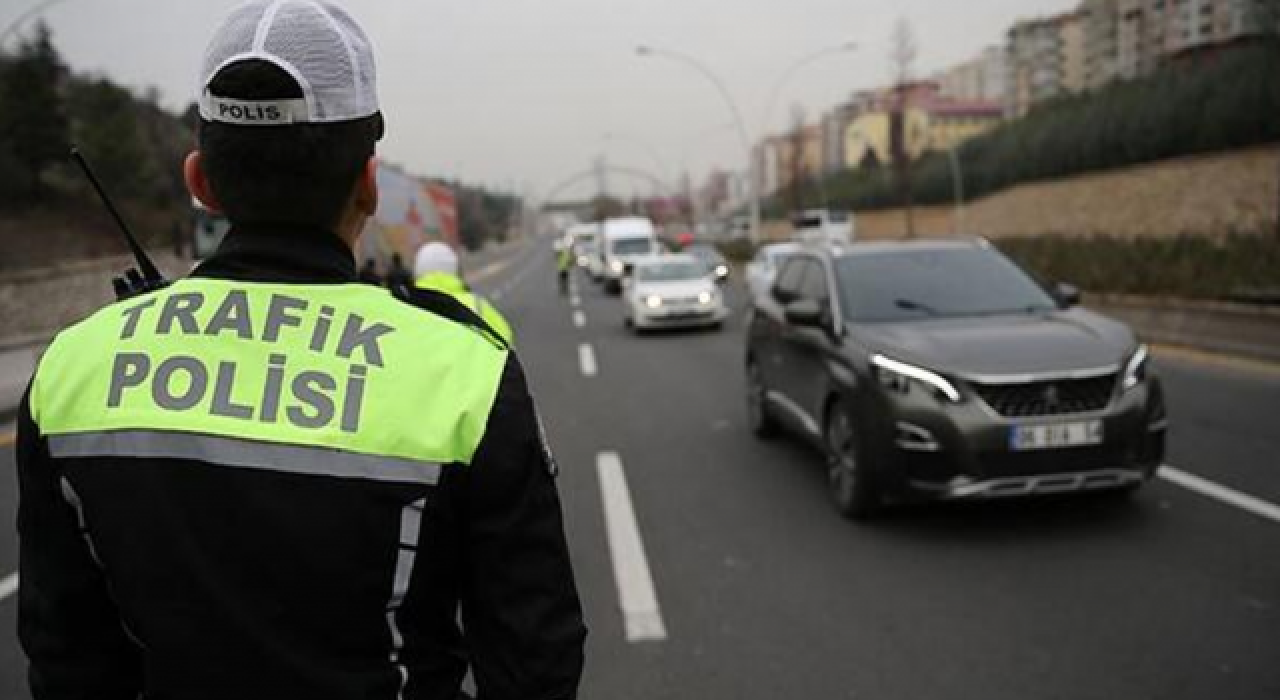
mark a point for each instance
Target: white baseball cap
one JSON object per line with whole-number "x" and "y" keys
{"x": 317, "y": 43}
{"x": 435, "y": 257}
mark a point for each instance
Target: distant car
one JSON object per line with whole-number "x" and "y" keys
{"x": 941, "y": 370}
{"x": 621, "y": 242}
{"x": 823, "y": 226}
{"x": 672, "y": 291}
{"x": 589, "y": 258}
{"x": 710, "y": 257}
{"x": 764, "y": 266}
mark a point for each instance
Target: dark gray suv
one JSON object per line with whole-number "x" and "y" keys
{"x": 939, "y": 370}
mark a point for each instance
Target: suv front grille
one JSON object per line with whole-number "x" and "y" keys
{"x": 1048, "y": 398}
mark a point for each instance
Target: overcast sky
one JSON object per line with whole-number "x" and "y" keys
{"x": 522, "y": 93}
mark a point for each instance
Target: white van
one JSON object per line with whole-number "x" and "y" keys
{"x": 621, "y": 242}
{"x": 823, "y": 226}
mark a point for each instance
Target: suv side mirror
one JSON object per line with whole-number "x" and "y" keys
{"x": 1068, "y": 295}
{"x": 805, "y": 312}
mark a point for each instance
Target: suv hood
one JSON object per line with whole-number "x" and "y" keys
{"x": 1057, "y": 341}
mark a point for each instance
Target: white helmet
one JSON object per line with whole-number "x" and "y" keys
{"x": 435, "y": 257}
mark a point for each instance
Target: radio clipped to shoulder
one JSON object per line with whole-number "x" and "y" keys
{"x": 146, "y": 276}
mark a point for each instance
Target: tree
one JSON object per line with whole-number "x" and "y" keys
{"x": 902, "y": 59}
{"x": 33, "y": 123}
{"x": 106, "y": 126}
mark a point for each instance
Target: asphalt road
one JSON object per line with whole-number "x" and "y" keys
{"x": 763, "y": 592}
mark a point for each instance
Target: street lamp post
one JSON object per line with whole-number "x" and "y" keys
{"x": 753, "y": 176}
{"x": 957, "y": 182}
{"x": 696, "y": 65}
{"x": 793, "y": 69}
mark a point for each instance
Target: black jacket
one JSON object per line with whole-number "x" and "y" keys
{"x": 190, "y": 580}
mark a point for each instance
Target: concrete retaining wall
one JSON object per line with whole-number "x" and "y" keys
{"x": 1231, "y": 329}
{"x": 1218, "y": 194}
{"x": 36, "y": 303}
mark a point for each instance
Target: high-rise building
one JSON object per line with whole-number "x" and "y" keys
{"x": 1047, "y": 59}
{"x": 984, "y": 77}
{"x": 1101, "y": 42}
{"x": 1126, "y": 39}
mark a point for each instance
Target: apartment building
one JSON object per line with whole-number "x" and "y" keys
{"x": 1126, "y": 39}
{"x": 1046, "y": 59}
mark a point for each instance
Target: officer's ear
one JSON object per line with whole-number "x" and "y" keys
{"x": 198, "y": 182}
{"x": 367, "y": 189}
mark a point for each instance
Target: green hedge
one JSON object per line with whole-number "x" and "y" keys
{"x": 1206, "y": 103}
{"x": 1242, "y": 268}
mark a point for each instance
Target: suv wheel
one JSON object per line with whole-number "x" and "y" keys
{"x": 763, "y": 424}
{"x": 847, "y": 476}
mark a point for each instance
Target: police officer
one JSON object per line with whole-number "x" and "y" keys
{"x": 254, "y": 483}
{"x": 564, "y": 263}
{"x": 436, "y": 268}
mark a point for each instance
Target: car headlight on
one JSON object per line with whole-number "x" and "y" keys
{"x": 897, "y": 376}
{"x": 617, "y": 266}
{"x": 722, "y": 270}
{"x": 653, "y": 302}
{"x": 706, "y": 298}
{"x": 1135, "y": 372}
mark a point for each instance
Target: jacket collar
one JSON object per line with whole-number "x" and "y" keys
{"x": 442, "y": 282}
{"x": 276, "y": 253}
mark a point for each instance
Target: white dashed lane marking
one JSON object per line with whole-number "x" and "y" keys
{"x": 587, "y": 360}
{"x": 636, "y": 594}
{"x": 1221, "y": 493}
{"x": 579, "y": 319}
{"x": 8, "y": 585}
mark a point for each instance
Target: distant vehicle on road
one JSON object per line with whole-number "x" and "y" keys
{"x": 823, "y": 226}
{"x": 623, "y": 241}
{"x": 710, "y": 257}
{"x": 764, "y": 266}
{"x": 673, "y": 291}
{"x": 941, "y": 370}
{"x": 589, "y": 258}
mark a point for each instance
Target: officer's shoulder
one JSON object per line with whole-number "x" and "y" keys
{"x": 76, "y": 335}
{"x": 447, "y": 314}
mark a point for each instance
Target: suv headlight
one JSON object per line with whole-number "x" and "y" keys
{"x": 1135, "y": 372}
{"x": 653, "y": 302}
{"x": 897, "y": 376}
{"x": 706, "y": 298}
{"x": 617, "y": 266}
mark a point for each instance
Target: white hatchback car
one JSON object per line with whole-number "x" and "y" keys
{"x": 673, "y": 291}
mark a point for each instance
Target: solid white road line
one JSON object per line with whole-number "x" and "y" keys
{"x": 1218, "y": 492}
{"x": 587, "y": 359}
{"x": 579, "y": 319}
{"x": 636, "y": 594}
{"x": 8, "y": 585}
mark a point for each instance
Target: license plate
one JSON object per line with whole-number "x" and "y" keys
{"x": 1056, "y": 435}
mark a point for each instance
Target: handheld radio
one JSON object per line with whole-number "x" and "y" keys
{"x": 146, "y": 276}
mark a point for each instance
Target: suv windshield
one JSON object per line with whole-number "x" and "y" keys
{"x": 671, "y": 271}
{"x": 632, "y": 246}
{"x": 913, "y": 284}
